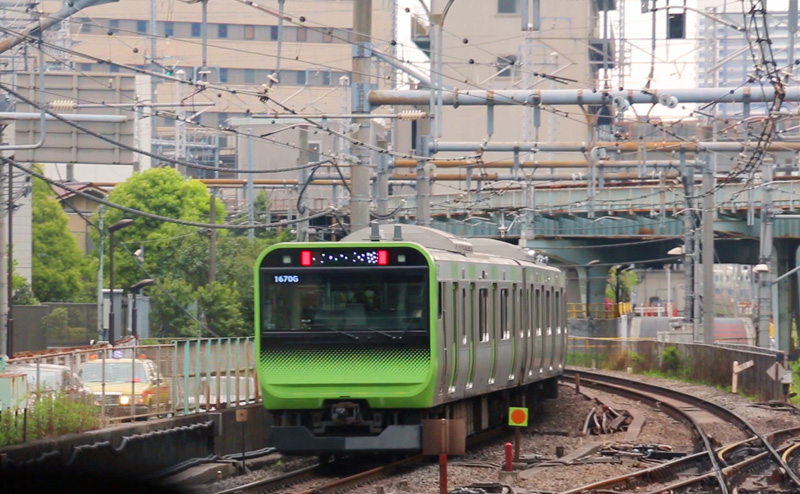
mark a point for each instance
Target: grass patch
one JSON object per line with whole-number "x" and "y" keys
{"x": 48, "y": 417}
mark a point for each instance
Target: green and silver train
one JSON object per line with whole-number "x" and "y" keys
{"x": 359, "y": 341}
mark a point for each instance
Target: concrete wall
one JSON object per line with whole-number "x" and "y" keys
{"x": 142, "y": 449}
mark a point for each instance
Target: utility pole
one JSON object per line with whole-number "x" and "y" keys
{"x": 180, "y": 122}
{"x": 709, "y": 297}
{"x": 251, "y": 216}
{"x": 101, "y": 220}
{"x": 5, "y": 340}
{"x": 212, "y": 239}
{"x": 10, "y": 267}
{"x": 302, "y": 160}
{"x": 765, "y": 257}
{"x": 359, "y": 173}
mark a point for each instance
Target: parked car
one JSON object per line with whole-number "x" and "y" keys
{"x": 127, "y": 387}
{"x": 49, "y": 379}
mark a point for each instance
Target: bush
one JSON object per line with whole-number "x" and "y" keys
{"x": 670, "y": 361}
{"x": 48, "y": 417}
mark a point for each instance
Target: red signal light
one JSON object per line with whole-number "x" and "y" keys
{"x": 305, "y": 258}
{"x": 383, "y": 258}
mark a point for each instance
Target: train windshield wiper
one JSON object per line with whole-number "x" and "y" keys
{"x": 329, "y": 328}
{"x": 373, "y": 330}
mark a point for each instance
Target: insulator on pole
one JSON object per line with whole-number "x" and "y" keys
{"x": 63, "y": 105}
{"x": 412, "y": 115}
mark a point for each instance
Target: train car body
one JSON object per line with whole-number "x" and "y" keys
{"x": 360, "y": 340}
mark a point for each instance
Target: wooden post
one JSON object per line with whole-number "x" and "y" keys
{"x": 443, "y": 460}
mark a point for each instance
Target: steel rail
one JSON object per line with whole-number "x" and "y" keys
{"x": 626, "y": 386}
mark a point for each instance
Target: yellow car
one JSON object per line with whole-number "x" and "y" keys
{"x": 133, "y": 387}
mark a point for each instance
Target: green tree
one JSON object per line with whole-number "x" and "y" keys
{"x": 164, "y": 192}
{"x": 57, "y": 259}
{"x": 173, "y": 310}
{"x": 219, "y": 303}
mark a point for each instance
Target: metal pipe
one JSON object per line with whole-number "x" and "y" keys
{"x": 412, "y": 71}
{"x": 406, "y": 163}
{"x": 536, "y": 97}
{"x": 42, "y": 118}
{"x": 72, "y": 117}
{"x": 625, "y": 147}
{"x": 50, "y": 21}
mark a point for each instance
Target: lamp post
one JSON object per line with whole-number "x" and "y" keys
{"x": 116, "y": 226}
{"x": 588, "y": 267}
{"x": 135, "y": 291}
{"x": 675, "y": 251}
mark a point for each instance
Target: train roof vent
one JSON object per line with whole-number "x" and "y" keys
{"x": 423, "y": 235}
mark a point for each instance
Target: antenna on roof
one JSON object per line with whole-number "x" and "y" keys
{"x": 375, "y": 235}
{"x": 398, "y": 232}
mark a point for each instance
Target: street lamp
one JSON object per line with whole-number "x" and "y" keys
{"x": 116, "y": 226}
{"x": 588, "y": 266}
{"x": 135, "y": 289}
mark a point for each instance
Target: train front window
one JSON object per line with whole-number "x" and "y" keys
{"x": 361, "y": 303}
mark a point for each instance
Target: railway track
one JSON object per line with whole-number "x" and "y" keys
{"x": 325, "y": 478}
{"x": 757, "y": 464}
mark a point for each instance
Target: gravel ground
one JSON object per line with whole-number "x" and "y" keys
{"x": 560, "y": 425}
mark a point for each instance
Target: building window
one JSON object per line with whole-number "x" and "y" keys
{"x": 113, "y": 26}
{"x": 301, "y": 77}
{"x": 273, "y": 33}
{"x": 327, "y": 37}
{"x": 505, "y": 65}
{"x": 223, "y": 75}
{"x": 86, "y": 26}
{"x": 86, "y": 67}
{"x": 249, "y": 76}
{"x": 508, "y": 6}
{"x": 222, "y": 31}
{"x": 113, "y": 68}
{"x": 141, "y": 26}
{"x": 169, "y": 29}
{"x": 249, "y": 32}
{"x": 316, "y": 77}
{"x": 196, "y": 31}
{"x": 302, "y": 34}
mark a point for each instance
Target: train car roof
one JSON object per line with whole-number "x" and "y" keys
{"x": 433, "y": 239}
{"x": 427, "y": 237}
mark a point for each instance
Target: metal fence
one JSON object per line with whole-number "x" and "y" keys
{"x": 199, "y": 374}
{"x": 707, "y": 364}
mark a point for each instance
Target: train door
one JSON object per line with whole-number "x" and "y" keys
{"x": 464, "y": 356}
{"x": 443, "y": 340}
{"x": 555, "y": 357}
{"x": 482, "y": 332}
{"x": 547, "y": 348}
{"x": 564, "y": 336}
{"x": 538, "y": 339}
{"x": 523, "y": 331}
{"x": 541, "y": 330}
{"x": 504, "y": 344}
{"x": 453, "y": 341}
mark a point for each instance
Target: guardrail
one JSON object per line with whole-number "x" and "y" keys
{"x": 599, "y": 311}
{"x": 198, "y": 374}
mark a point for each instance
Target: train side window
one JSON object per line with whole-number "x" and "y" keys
{"x": 557, "y": 311}
{"x": 504, "y": 333}
{"x": 441, "y": 294}
{"x": 538, "y": 308}
{"x": 483, "y": 314}
{"x": 547, "y": 311}
{"x": 464, "y": 315}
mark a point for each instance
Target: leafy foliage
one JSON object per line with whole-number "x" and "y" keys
{"x": 57, "y": 259}
{"x": 670, "y": 360}
{"x": 48, "y": 417}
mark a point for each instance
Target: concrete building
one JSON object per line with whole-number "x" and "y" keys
{"x": 484, "y": 46}
{"x": 242, "y": 54}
